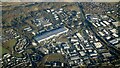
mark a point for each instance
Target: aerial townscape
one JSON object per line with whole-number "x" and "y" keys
{"x": 60, "y": 35}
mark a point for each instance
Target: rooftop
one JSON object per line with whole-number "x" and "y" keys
{"x": 50, "y": 34}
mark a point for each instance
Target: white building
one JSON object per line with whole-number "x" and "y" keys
{"x": 50, "y": 34}
{"x": 98, "y": 45}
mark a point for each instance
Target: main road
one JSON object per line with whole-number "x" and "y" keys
{"x": 89, "y": 26}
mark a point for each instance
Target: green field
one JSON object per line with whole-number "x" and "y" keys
{"x": 8, "y": 46}
{"x": 4, "y": 50}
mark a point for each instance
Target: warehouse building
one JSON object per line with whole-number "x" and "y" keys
{"x": 47, "y": 35}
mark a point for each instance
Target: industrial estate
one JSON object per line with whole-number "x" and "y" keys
{"x": 60, "y": 35}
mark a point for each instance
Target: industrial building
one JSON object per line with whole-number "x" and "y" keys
{"x": 49, "y": 34}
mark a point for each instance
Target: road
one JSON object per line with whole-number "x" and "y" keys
{"x": 89, "y": 26}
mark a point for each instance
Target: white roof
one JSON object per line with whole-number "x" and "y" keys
{"x": 105, "y": 31}
{"x": 74, "y": 40}
{"x": 61, "y": 8}
{"x": 101, "y": 34}
{"x": 106, "y": 54}
{"x": 48, "y": 10}
{"x": 116, "y": 23}
{"x": 114, "y": 34}
{"x": 76, "y": 43}
{"x": 108, "y": 37}
{"x": 113, "y": 30}
{"x": 82, "y": 53}
{"x": 95, "y": 54}
{"x": 102, "y": 23}
{"x": 86, "y": 31}
{"x": 33, "y": 43}
{"x": 95, "y": 25}
{"x": 114, "y": 41}
{"x": 107, "y": 23}
{"x": 52, "y": 10}
{"x": 98, "y": 44}
{"x": 75, "y": 58}
{"x": 118, "y": 45}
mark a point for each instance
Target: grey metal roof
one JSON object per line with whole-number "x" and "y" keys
{"x": 49, "y": 33}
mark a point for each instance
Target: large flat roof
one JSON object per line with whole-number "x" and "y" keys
{"x": 50, "y": 34}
